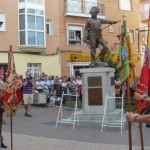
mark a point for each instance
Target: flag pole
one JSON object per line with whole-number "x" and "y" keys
{"x": 128, "y": 94}
{"x": 11, "y": 131}
{"x": 133, "y": 69}
{"x": 11, "y": 128}
{"x": 140, "y": 124}
{"x": 128, "y": 107}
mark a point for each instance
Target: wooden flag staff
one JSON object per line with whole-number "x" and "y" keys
{"x": 129, "y": 101}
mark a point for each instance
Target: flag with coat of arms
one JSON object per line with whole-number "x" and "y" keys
{"x": 12, "y": 94}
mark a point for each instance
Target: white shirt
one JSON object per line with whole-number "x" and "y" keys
{"x": 40, "y": 85}
{"x": 79, "y": 82}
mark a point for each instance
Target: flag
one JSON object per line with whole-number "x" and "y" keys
{"x": 12, "y": 97}
{"x": 141, "y": 106}
{"x": 131, "y": 64}
{"x": 123, "y": 63}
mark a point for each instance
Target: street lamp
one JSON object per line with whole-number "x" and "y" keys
{"x": 1, "y": 23}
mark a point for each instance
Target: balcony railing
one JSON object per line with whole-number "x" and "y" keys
{"x": 144, "y": 15}
{"x": 81, "y": 8}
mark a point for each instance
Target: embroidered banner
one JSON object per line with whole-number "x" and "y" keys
{"x": 12, "y": 95}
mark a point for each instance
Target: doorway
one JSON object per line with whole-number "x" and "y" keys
{"x": 76, "y": 70}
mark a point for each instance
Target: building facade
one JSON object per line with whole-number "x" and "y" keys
{"x": 73, "y": 20}
{"x": 28, "y": 26}
{"x": 46, "y": 35}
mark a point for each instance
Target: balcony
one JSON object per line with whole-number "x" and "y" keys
{"x": 32, "y": 49}
{"x": 79, "y": 8}
{"x": 144, "y": 16}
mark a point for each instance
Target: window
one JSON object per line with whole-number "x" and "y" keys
{"x": 49, "y": 27}
{"x": 34, "y": 69}
{"x": 3, "y": 19}
{"x": 74, "y": 6}
{"x": 89, "y": 4}
{"x": 131, "y": 34}
{"x": 74, "y": 35}
{"x": 31, "y": 24}
{"x": 145, "y": 13}
{"x": 125, "y": 5}
{"x": 146, "y": 7}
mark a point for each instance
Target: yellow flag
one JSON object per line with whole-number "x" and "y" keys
{"x": 131, "y": 64}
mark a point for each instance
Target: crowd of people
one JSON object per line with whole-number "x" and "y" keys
{"x": 52, "y": 86}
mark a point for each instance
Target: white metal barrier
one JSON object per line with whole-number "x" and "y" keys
{"x": 60, "y": 118}
{"x": 114, "y": 123}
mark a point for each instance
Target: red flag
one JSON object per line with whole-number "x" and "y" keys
{"x": 141, "y": 106}
{"x": 12, "y": 97}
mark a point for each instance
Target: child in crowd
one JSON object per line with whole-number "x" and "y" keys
{"x": 52, "y": 96}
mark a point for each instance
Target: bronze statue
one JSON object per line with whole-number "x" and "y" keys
{"x": 93, "y": 36}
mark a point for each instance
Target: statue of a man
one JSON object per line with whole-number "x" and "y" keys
{"x": 93, "y": 36}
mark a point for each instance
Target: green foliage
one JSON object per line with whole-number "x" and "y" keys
{"x": 111, "y": 63}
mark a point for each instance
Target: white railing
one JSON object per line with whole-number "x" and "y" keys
{"x": 82, "y": 7}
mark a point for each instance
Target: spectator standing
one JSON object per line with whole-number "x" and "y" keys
{"x": 51, "y": 81}
{"x": 2, "y": 72}
{"x": 52, "y": 96}
{"x": 58, "y": 87}
{"x": 28, "y": 87}
{"x": 39, "y": 85}
{"x": 72, "y": 87}
{"x": 117, "y": 87}
{"x": 64, "y": 85}
{"x": 46, "y": 86}
{"x": 64, "y": 88}
{"x": 79, "y": 84}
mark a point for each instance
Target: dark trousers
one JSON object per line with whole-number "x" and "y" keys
{"x": 1, "y": 122}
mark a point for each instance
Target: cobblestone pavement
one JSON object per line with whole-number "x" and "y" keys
{"x": 39, "y": 133}
{"x": 25, "y": 142}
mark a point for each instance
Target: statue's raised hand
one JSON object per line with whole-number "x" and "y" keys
{"x": 116, "y": 22}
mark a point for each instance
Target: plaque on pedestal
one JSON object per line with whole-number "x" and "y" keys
{"x": 95, "y": 90}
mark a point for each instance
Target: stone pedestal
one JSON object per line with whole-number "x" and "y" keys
{"x": 97, "y": 83}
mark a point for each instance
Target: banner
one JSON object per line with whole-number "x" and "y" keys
{"x": 12, "y": 95}
{"x": 123, "y": 64}
{"x": 141, "y": 106}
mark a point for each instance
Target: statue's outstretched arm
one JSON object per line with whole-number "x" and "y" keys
{"x": 86, "y": 31}
{"x": 106, "y": 21}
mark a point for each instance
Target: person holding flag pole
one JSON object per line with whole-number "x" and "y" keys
{"x": 2, "y": 109}
{"x": 123, "y": 66}
{"x": 12, "y": 97}
{"x": 142, "y": 104}
{"x": 143, "y": 101}
{"x": 127, "y": 68}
